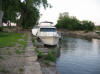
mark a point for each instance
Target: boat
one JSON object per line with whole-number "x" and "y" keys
{"x": 34, "y": 30}
{"x": 48, "y": 35}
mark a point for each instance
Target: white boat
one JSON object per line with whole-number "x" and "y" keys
{"x": 48, "y": 35}
{"x": 34, "y": 30}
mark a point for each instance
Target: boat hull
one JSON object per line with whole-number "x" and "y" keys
{"x": 49, "y": 40}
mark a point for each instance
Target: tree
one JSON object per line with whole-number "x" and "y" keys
{"x": 10, "y": 8}
{"x": 72, "y": 23}
{"x": 68, "y": 22}
{"x": 88, "y": 25}
{"x": 30, "y": 18}
{"x": 28, "y": 7}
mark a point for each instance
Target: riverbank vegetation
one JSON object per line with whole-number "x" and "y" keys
{"x": 72, "y": 23}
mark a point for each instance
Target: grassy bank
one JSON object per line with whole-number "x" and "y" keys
{"x": 8, "y": 39}
{"x": 12, "y": 52}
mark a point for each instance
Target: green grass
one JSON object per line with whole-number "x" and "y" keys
{"x": 24, "y": 42}
{"x": 33, "y": 40}
{"x": 1, "y": 57}
{"x": 47, "y": 62}
{"x": 9, "y": 39}
{"x": 36, "y": 49}
{"x": 51, "y": 56}
{"x": 21, "y": 69}
{"x": 9, "y": 53}
{"x": 4, "y": 71}
{"x": 19, "y": 51}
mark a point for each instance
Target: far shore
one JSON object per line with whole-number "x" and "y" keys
{"x": 81, "y": 34}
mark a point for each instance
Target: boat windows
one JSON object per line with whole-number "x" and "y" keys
{"x": 48, "y": 29}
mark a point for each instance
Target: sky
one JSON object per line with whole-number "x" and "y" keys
{"x": 82, "y": 9}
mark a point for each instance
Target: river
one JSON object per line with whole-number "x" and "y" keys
{"x": 79, "y": 56}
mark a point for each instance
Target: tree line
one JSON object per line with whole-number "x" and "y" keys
{"x": 72, "y": 23}
{"x": 25, "y": 13}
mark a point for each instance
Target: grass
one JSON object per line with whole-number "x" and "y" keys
{"x": 9, "y": 53}
{"x": 1, "y": 57}
{"x": 50, "y": 56}
{"x": 24, "y": 42}
{"x": 40, "y": 54}
{"x": 19, "y": 51}
{"x": 33, "y": 40}
{"x": 47, "y": 62}
{"x": 21, "y": 70}
{"x": 9, "y": 39}
{"x": 36, "y": 49}
{"x": 3, "y": 70}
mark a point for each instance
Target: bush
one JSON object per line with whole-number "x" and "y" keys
{"x": 33, "y": 40}
{"x": 50, "y": 57}
{"x": 47, "y": 62}
{"x": 88, "y": 25}
{"x": 40, "y": 54}
{"x": 72, "y": 23}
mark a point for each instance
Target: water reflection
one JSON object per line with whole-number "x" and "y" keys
{"x": 79, "y": 56}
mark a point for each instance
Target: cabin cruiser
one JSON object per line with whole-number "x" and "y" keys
{"x": 34, "y": 30}
{"x": 48, "y": 35}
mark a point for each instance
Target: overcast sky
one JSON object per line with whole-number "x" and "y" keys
{"x": 82, "y": 9}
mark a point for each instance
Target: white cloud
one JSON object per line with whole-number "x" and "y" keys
{"x": 82, "y": 9}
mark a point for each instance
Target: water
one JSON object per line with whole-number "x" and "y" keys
{"x": 79, "y": 56}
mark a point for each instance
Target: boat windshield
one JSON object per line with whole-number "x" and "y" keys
{"x": 48, "y": 29}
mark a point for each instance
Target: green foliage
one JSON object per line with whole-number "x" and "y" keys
{"x": 9, "y": 39}
{"x": 30, "y": 16}
{"x": 23, "y": 42}
{"x": 40, "y": 54}
{"x": 33, "y": 40}
{"x": 1, "y": 57}
{"x": 88, "y": 25}
{"x": 72, "y": 23}
{"x": 28, "y": 10}
{"x": 47, "y": 62}
{"x": 3, "y": 70}
{"x": 21, "y": 69}
{"x": 51, "y": 56}
{"x": 10, "y": 8}
{"x": 9, "y": 53}
{"x": 36, "y": 50}
{"x": 19, "y": 51}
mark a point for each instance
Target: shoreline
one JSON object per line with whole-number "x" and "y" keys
{"x": 47, "y": 66}
{"x": 80, "y": 34}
